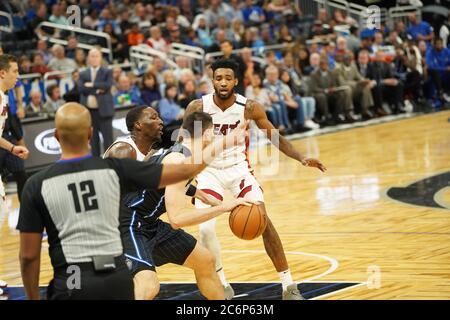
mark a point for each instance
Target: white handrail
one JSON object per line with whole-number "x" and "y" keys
{"x": 86, "y": 46}
{"x": 30, "y": 76}
{"x": 146, "y": 53}
{"x": 58, "y": 73}
{"x": 9, "y": 28}
{"x": 187, "y": 48}
{"x": 237, "y": 51}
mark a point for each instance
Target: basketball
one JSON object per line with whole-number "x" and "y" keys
{"x": 247, "y": 223}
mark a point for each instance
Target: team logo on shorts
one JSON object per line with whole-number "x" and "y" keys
{"x": 46, "y": 143}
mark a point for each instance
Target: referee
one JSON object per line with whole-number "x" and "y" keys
{"x": 77, "y": 201}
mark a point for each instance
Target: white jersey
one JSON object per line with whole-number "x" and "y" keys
{"x": 224, "y": 122}
{"x": 139, "y": 155}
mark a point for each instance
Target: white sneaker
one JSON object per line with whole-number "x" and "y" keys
{"x": 3, "y": 284}
{"x": 409, "y": 108}
{"x": 311, "y": 124}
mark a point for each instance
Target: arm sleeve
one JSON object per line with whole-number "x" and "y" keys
{"x": 135, "y": 175}
{"x": 30, "y": 214}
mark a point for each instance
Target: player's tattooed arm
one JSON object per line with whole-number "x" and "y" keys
{"x": 255, "y": 111}
{"x": 121, "y": 150}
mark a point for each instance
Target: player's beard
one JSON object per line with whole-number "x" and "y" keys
{"x": 221, "y": 97}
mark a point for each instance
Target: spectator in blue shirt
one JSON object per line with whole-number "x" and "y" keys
{"x": 170, "y": 111}
{"x": 150, "y": 89}
{"x": 126, "y": 94}
{"x": 419, "y": 30}
{"x": 253, "y": 15}
{"x": 107, "y": 19}
{"x": 438, "y": 62}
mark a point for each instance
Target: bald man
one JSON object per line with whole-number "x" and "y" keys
{"x": 77, "y": 201}
{"x": 95, "y": 93}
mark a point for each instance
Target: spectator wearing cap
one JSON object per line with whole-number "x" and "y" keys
{"x": 419, "y": 30}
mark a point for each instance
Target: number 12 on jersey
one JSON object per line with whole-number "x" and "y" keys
{"x": 86, "y": 190}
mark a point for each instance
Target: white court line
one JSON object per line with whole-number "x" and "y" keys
{"x": 334, "y": 292}
{"x": 333, "y": 263}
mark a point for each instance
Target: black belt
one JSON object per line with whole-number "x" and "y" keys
{"x": 89, "y": 266}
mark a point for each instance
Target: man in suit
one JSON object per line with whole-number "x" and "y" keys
{"x": 95, "y": 93}
{"x": 328, "y": 88}
{"x": 386, "y": 87}
{"x": 360, "y": 86}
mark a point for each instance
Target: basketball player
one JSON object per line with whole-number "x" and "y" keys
{"x": 9, "y": 73}
{"x": 231, "y": 171}
{"x": 148, "y": 241}
{"x": 77, "y": 200}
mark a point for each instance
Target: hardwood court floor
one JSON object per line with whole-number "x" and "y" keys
{"x": 339, "y": 226}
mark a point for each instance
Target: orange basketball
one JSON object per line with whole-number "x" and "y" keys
{"x": 247, "y": 223}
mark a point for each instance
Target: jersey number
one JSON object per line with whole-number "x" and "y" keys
{"x": 87, "y": 193}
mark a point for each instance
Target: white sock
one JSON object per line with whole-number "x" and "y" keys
{"x": 221, "y": 275}
{"x": 286, "y": 278}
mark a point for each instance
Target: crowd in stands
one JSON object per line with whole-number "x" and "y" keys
{"x": 318, "y": 77}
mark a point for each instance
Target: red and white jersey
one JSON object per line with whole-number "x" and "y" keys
{"x": 3, "y": 111}
{"x": 224, "y": 122}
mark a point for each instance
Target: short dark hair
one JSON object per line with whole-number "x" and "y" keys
{"x": 5, "y": 61}
{"x": 227, "y": 41}
{"x": 50, "y": 89}
{"x": 133, "y": 116}
{"x": 225, "y": 64}
{"x": 198, "y": 116}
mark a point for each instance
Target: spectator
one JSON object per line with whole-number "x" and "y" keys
{"x": 54, "y": 101}
{"x": 91, "y": 21}
{"x": 393, "y": 39}
{"x": 285, "y": 36}
{"x": 105, "y": 18}
{"x": 125, "y": 23}
{"x": 303, "y": 61}
{"x": 377, "y": 41}
{"x": 201, "y": 28}
{"x": 170, "y": 111}
{"x": 360, "y": 87}
{"x": 39, "y": 65}
{"x": 438, "y": 62}
{"x": 41, "y": 16}
{"x": 57, "y": 16}
{"x": 420, "y": 31}
{"x": 400, "y": 28}
{"x": 169, "y": 78}
{"x": 127, "y": 94}
{"x": 215, "y": 10}
{"x": 252, "y": 14}
{"x": 60, "y": 62}
{"x": 277, "y": 95}
{"x": 150, "y": 89}
{"x": 156, "y": 41}
{"x": 236, "y": 31}
{"x": 257, "y": 92}
{"x": 204, "y": 88}
{"x": 73, "y": 95}
{"x": 444, "y": 32}
{"x": 252, "y": 66}
{"x": 140, "y": 17}
{"x": 222, "y": 25}
{"x": 331, "y": 95}
{"x": 188, "y": 94}
{"x": 94, "y": 86}
{"x": 353, "y": 41}
{"x": 36, "y": 107}
{"x": 80, "y": 58}
{"x": 118, "y": 43}
{"x": 72, "y": 45}
{"x": 135, "y": 37}
{"x": 302, "y": 112}
{"x": 314, "y": 62}
{"x": 24, "y": 65}
{"x": 43, "y": 50}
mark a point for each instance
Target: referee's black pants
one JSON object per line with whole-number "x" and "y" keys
{"x": 91, "y": 285}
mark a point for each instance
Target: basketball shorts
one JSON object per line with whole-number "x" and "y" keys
{"x": 238, "y": 179}
{"x": 149, "y": 246}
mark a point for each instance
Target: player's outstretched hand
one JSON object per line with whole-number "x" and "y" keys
{"x": 229, "y": 205}
{"x": 311, "y": 162}
{"x": 21, "y": 152}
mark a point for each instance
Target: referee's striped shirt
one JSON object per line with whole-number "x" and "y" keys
{"x": 77, "y": 201}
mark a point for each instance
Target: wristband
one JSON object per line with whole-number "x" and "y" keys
{"x": 12, "y": 148}
{"x": 191, "y": 190}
